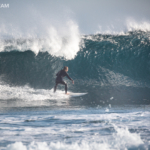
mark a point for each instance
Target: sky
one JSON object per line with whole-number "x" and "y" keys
{"x": 91, "y": 16}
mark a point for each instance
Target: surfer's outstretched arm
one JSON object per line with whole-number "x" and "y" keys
{"x": 69, "y": 77}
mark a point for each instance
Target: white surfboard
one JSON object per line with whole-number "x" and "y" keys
{"x": 76, "y": 94}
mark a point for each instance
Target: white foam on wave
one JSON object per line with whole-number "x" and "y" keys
{"x": 133, "y": 25}
{"x": 29, "y": 94}
{"x": 58, "y": 146}
{"x": 57, "y": 41}
{"x": 129, "y": 25}
{"x": 120, "y": 138}
{"x": 126, "y": 139}
{"x": 123, "y": 139}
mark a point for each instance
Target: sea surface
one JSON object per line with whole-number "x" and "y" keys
{"x": 114, "y": 69}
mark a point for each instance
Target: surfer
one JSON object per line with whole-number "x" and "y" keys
{"x": 59, "y": 79}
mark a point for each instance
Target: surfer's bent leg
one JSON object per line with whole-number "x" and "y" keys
{"x": 64, "y": 83}
{"x": 55, "y": 87}
{"x": 66, "y": 88}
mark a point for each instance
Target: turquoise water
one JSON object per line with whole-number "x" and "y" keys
{"x": 104, "y": 66}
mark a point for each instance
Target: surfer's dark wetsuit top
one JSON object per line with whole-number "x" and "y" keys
{"x": 61, "y": 74}
{"x": 59, "y": 79}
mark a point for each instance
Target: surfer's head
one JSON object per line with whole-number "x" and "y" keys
{"x": 66, "y": 68}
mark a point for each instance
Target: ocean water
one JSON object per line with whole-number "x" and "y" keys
{"x": 114, "y": 69}
{"x": 53, "y": 127}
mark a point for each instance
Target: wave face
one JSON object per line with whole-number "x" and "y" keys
{"x": 106, "y": 66}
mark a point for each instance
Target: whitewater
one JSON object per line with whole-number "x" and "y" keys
{"x": 113, "y": 67}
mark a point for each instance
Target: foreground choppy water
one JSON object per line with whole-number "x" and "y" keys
{"x": 68, "y": 128}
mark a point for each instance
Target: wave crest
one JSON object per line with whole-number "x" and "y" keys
{"x": 64, "y": 42}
